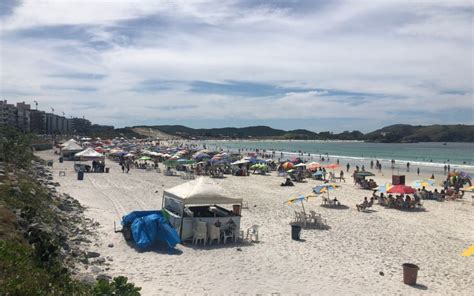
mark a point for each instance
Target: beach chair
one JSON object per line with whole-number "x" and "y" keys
{"x": 252, "y": 232}
{"x": 214, "y": 234}
{"x": 200, "y": 232}
{"x": 320, "y": 222}
{"x": 228, "y": 233}
{"x": 313, "y": 218}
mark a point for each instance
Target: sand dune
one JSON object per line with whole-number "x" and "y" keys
{"x": 345, "y": 259}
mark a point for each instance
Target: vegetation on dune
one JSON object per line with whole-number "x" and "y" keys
{"x": 31, "y": 262}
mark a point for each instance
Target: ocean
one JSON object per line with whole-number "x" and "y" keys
{"x": 431, "y": 155}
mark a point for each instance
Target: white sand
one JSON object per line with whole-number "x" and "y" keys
{"x": 346, "y": 259}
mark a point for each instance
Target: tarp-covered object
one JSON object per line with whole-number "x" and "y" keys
{"x": 150, "y": 227}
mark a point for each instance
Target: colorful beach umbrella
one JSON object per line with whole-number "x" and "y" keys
{"x": 300, "y": 199}
{"x": 287, "y": 165}
{"x": 384, "y": 187}
{"x": 402, "y": 189}
{"x": 325, "y": 188}
{"x": 314, "y": 165}
{"x": 468, "y": 189}
{"x": 423, "y": 183}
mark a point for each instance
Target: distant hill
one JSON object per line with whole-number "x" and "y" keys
{"x": 404, "y": 133}
{"x": 391, "y": 134}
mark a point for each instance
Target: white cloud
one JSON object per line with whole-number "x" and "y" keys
{"x": 418, "y": 55}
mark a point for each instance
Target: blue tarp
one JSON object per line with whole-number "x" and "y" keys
{"x": 150, "y": 227}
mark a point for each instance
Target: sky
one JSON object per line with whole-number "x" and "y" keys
{"x": 316, "y": 64}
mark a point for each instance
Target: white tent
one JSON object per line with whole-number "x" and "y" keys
{"x": 200, "y": 192}
{"x": 242, "y": 161}
{"x": 89, "y": 153}
{"x": 70, "y": 147}
{"x": 68, "y": 142}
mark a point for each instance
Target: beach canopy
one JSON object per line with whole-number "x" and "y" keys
{"x": 89, "y": 153}
{"x": 200, "y": 192}
{"x": 144, "y": 158}
{"x": 71, "y": 146}
{"x": 68, "y": 142}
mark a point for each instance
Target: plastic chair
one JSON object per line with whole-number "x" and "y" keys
{"x": 214, "y": 234}
{"x": 252, "y": 232}
{"x": 200, "y": 232}
{"x": 228, "y": 233}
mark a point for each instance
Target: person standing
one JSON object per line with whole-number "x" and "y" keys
{"x": 371, "y": 164}
{"x": 408, "y": 166}
{"x": 418, "y": 171}
{"x": 348, "y": 166}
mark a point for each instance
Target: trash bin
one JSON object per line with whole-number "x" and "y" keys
{"x": 80, "y": 175}
{"x": 107, "y": 170}
{"x": 410, "y": 273}
{"x": 295, "y": 232}
{"x": 61, "y": 160}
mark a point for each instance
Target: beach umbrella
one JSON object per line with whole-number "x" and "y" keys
{"x": 145, "y": 158}
{"x": 364, "y": 174}
{"x": 423, "y": 183}
{"x": 332, "y": 166}
{"x": 296, "y": 160}
{"x": 384, "y": 187}
{"x": 402, "y": 189}
{"x": 468, "y": 189}
{"x": 325, "y": 188}
{"x": 300, "y": 199}
{"x": 287, "y": 165}
{"x": 314, "y": 165}
{"x": 201, "y": 156}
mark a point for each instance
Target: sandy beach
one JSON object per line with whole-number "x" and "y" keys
{"x": 361, "y": 253}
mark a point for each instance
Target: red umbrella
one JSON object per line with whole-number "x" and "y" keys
{"x": 401, "y": 189}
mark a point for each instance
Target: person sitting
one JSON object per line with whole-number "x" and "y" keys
{"x": 391, "y": 201}
{"x": 436, "y": 195}
{"x": 380, "y": 198}
{"x": 407, "y": 203}
{"x": 399, "y": 201}
{"x": 363, "y": 205}
{"x": 443, "y": 195}
{"x": 287, "y": 183}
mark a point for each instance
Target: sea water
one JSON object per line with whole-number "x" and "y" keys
{"x": 431, "y": 155}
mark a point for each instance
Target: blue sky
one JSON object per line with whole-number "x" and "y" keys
{"x": 318, "y": 65}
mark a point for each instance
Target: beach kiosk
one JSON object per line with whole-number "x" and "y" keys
{"x": 200, "y": 200}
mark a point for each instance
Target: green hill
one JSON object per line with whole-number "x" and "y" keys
{"x": 403, "y": 133}
{"x": 397, "y": 133}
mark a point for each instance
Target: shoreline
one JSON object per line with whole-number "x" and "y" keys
{"x": 400, "y": 163}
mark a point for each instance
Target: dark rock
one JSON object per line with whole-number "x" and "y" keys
{"x": 87, "y": 279}
{"x": 103, "y": 277}
{"x": 111, "y": 245}
{"x": 381, "y": 273}
{"x": 92, "y": 254}
{"x": 100, "y": 260}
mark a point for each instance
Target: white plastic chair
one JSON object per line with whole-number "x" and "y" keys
{"x": 226, "y": 234}
{"x": 252, "y": 232}
{"x": 200, "y": 232}
{"x": 214, "y": 234}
